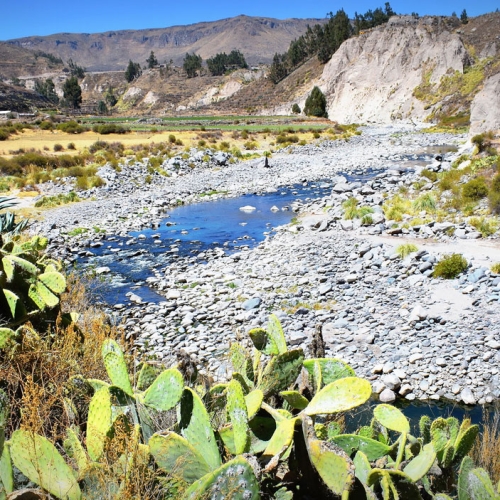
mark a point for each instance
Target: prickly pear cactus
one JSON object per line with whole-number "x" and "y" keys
{"x": 342, "y": 395}
{"x": 6, "y": 473}
{"x": 116, "y": 366}
{"x": 38, "y": 459}
{"x": 147, "y": 375}
{"x": 253, "y": 400}
{"x": 238, "y": 415}
{"x": 294, "y": 399}
{"x": 166, "y": 391}
{"x": 425, "y": 428}
{"x": 100, "y": 422}
{"x": 235, "y": 480}
{"x": 195, "y": 426}
{"x": 281, "y": 371}
{"x": 4, "y": 413}
{"x": 391, "y": 418}
{"x": 176, "y": 456}
{"x": 420, "y": 465}
{"x": 372, "y": 448}
{"x": 331, "y": 369}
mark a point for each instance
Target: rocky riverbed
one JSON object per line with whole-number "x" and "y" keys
{"x": 413, "y": 336}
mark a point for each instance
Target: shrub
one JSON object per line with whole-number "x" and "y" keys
{"x": 495, "y": 268}
{"x": 406, "y": 249}
{"x": 58, "y": 147}
{"x": 485, "y": 226}
{"x": 475, "y": 189}
{"x": 296, "y": 109}
{"x": 171, "y": 139}
{"x": 4, "y": 134}
{"x": 109, "y": 128}
{"x": 450, "y": 266}
{"x": 482, "y": 141}
{"x": 429, "y": 174}
{"x": 46, "y": 125}
{"x": 425, "y": 202}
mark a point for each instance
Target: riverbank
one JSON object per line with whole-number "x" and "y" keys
{"x": 408, "y": 333}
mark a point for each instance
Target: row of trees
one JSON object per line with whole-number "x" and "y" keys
{"x": 324, "y": 40}
{"x": 222, "y": 62}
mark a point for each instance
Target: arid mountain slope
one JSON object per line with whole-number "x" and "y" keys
{"x": 16, "y": 61}
{"x": 259, "y": 38}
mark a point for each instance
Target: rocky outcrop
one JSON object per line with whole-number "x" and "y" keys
{"x": 372, "y": 77}
{"x": 485, "y": 109}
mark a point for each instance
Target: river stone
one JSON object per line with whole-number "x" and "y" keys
{"x": 467, "y": 396}
{"x": 387, "y": 396}
{"x": 173, "y": 294}
{"x": 391, "y": 381}
{"x": 253, "y": 303}
{"x": 103, "y": 270}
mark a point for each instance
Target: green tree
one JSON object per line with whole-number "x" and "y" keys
{"x": 296, "y": 109}
{"x": 316, "y": 104}
{"x": 151, "y": 60}
{"x": 76, "y": 70}
{"x": 47, "y": 89}
{"x": 102, "y": 109}
{"x": 192, "y": 64}
{"x": 464, "y": 17}
{"x": 72, "y": 92}
{"x": 110, "y": 97}
{"x": 133, "y": 71}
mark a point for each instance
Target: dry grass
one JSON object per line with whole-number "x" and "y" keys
{"x": 486, "y": 450}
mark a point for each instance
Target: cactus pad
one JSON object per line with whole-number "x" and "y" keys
{"x": 465, "y": 441}
{"x": 276, "y": 333}
{"x": 439, "y": 434}
{"x": 425, "y": 428}
{"x": 281, "y": 440}
{"x": 370, "y": 447}
{"x": 116, "y": 367}
{"x": 341, "y": 395}
{"x": 176, "y": 456}
{"x": 194, "y": 424}
{"x": 421, "y": 464}
{"x": 147, "y": 376}
{"x": 235, "y": 480}
{"x": 294, "y": 399}
{"x": 253, "y": 401}
{"x": 7, "y": 337}
{"x": 100, "y": 422}
{"x": 238, "y": 414}
{"x": 391, "y": 418}
{"x": 263, "y": 341}
{"x": 281, "y": 372}
{"x": 363, "y": 467}
{"x": 6, "y": 473}
{"x": 331, "y": 369}
{"x": 166, "y": 391}
{"x": 38, "y": 459}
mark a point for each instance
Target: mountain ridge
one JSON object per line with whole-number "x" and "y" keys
{"x": 258, "y": 37}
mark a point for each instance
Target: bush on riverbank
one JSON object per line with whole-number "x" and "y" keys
{"x": 450, "y": 266}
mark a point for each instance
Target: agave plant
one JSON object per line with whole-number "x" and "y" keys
{"x": 7, "y": 220}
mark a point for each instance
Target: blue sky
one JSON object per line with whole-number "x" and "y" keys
{"x": 33, "y": 17}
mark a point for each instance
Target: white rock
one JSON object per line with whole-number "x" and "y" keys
{"x": 247, "y": 208}
{"x": 387, "y": 396}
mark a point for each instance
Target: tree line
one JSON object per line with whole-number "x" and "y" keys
{"x": 324, "y": 40}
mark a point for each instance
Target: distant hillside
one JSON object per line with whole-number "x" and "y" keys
{"x": 19, "y": 99}
{"x": 16, "y": 61}
{"x": 259, "y": 38}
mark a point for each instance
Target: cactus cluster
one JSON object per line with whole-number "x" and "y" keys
{"x": 30, "y": 284}
{"x": 273, "y": 420}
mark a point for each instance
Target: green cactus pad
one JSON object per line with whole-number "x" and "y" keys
{"x": 235, "y": 480}
{"x": 75, "y": 450}
{"x": 370, "y": 447}
{"x": 100, "y": 422}
{"x": 195, "y": 426}
{"x": 281, "y": 372}
{"x": 454, "y": 427}
{"x": 147, "y": 375}
{"x": 333, "y": 465}
{"x": 466, "y": 467}
{"x": 276, "y": 333}
{"x": 97, "y": 384}
{"x": 331, "y": 369}
{"x": 263, "y": 341}
{"x": 242, "y": 381}
{"x": 238, "y": 357}
{"x": 421, "y": 464}
{"x": 281, "y": 440}
{"x": 341, "y": 395}
{"x": 237, "y": 412}
{"x": 261, "y": 432}
{"x": 16, "y": 307}
{"x": 465, "y": 441}
{"x": 166, "y": 391}
{"x": 116, "y": 367}
{"x": 480, "y": 487}
{"x": 425, "y": 428}
{"x": 38, "y": 459}
{"x": 391, "y": 418}
{"x": 439, "y": 434}
{"x": 294, "y": 399}
{"x": 42, "y": 296}
{"x": 442, "y": 496}
{"x": 175, "y": 455}
{"x": 6, "y": 473}
{"x": 363, "y": 467}
{"x": 253, "y": 401}
{"x": 54, "y": 281}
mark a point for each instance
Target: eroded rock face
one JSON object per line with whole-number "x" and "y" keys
{"x": 485, "y": 107}
{"x": 372, "y": 76}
